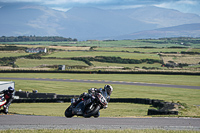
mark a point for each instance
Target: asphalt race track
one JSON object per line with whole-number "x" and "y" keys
{"x": 53, "y": 122}
{"x": 107, "y": 82}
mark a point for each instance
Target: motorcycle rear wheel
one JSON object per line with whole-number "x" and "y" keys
{"x": 93, "y": 112}
{"x": 68, "y": 112}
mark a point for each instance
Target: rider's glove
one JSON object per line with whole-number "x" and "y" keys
{"x": 105, "y": 106}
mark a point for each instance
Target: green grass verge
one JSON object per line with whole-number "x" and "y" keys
{"x": 97, "y": 131}
{"x": 146, "y": 78}
{"x": 113, "y": 110}
{"x": 58, "y": 109}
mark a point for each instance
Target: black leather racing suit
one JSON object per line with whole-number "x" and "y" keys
{"x": 92, "y": 92}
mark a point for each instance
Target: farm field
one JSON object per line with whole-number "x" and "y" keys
{"x": 12, "y": 54}
{"x": 166, "y": 54}
{"x": 192, "y": 60}
{"x": 67, "y": 54}
{"x": 100, "y": 65}
{"x": 184, "y": 59}
{"x": 31, "y": 63}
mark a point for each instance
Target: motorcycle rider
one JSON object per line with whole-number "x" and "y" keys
{"x": 9, "y": 96}
{"x": 106, "y": 92}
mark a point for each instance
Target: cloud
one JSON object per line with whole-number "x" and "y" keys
{"x": 61, "y": 9}
{"x": 190, "y": 2}
{"x": 63, "y": 5}
{"x": 12, "y": 1}
{"x": 59, "y": 1}
{"x": 187, "y": 6}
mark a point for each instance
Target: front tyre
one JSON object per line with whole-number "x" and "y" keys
{"x": 97, "y": 115}
{"x": 92, "y": 112}
{"x": 68, "y": 112}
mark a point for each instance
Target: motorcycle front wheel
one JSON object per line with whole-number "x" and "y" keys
{"x": 91, "y": 112}
{"x": 68, "y": 112}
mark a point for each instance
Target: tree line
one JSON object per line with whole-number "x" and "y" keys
{"x": 12, "y": 48}
{"x": 35, "y": 38}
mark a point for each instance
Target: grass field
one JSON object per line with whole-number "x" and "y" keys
{"x": 100, "y": 65}
{"x": 58, "y": 109}
{"x": 12, "y": 54}
{"x": 31, "y": 63}
{"x": 107, "y": 48}
{"x": 146, "y": 78}
{"x": 184, "y": 59}
{"x": 67, "y": 54}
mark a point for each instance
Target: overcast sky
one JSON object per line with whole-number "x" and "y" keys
{"x": 186, "y": 6}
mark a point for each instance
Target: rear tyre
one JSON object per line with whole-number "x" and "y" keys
{"x": 92, "y": 112}
{"x": 68, "y": 112}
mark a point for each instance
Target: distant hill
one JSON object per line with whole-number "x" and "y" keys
{"x": 160, "y": 16}
{"x": 91, "y": 23}
{"x": 186, "y": 30}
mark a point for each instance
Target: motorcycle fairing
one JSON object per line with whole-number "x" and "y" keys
{"x": 2, "y": 101}
{"x": 102, "y": 99}
{"x": 79, "y": 108}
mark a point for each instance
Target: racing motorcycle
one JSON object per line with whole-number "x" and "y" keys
{"x": 2, "y": 103}
{"x": 87, "y": 107}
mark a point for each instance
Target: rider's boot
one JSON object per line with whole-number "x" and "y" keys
{"x": 5, "y": 108}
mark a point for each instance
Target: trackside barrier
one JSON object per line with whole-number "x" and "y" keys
{"x": 42, "y": 95}
{"x": 160, "y": 112}
{"x": 41, "y": 100}
{"x": 52, "y": 98}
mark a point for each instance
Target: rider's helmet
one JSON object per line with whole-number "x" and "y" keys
{"x": 108, "y": 89}
{"x": 11, "y": 89}
{"x": 92, "y": 91}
